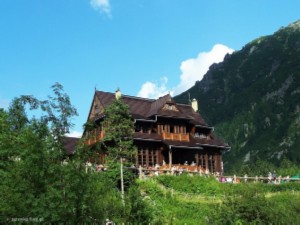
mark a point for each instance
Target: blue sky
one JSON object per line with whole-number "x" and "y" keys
{"x": 144, "y": 47}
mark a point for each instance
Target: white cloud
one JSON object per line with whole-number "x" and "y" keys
{"x": 195, "y": 68}
{"x": 101, "y": 5}
{"x": 154, "y": 89}
{"x": 192, "y": 69}
{"x": 75, "y": 134}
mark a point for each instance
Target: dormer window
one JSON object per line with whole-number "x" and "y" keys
{"x": 170, "y": 106}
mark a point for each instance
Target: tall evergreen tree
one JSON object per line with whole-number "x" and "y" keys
{"x": 119, "y": 128}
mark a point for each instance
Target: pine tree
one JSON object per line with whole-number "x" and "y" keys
{"x": 119, "y": 128}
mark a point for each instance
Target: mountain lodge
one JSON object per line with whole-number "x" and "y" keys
{"x": 166, "y": 132}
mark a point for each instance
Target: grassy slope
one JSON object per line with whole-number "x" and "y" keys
{"x": 199, "y": 200}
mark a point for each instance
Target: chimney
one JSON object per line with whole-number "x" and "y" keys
{"x": 118, "y": 94}
{"x": 195, "y": 105}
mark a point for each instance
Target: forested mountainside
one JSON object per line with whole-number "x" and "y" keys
{"x": 252, "y": 99}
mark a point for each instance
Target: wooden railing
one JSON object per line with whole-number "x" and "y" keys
{"x": 93, "y": 140}
{"x": 176, "y": 137}
{"x": 166, "y": 136}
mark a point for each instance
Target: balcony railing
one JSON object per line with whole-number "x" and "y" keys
{"x": 93, "y": 140}
{"x": 166, "y": 136}
{"x": 176, "y": 137}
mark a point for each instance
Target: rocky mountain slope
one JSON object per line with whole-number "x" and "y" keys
{"x": 253, "y": 99}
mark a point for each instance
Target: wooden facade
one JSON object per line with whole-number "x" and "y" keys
{"x": 166, "y": 133}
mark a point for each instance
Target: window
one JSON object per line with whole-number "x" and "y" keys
{"x": 137, "y": 128}
{"x": 203, "y": 136}
{"x": 147, "y": 157}
{"x": 170, "y": 106}
{"x": 97, "y": 110}
{"x": 142, "y": 157}
{"x": 145, "y": 129}
{"x": 196, "y": 135}
{"x": 211, "y": 163}
{"x": 202, "y": 161}
{"x": 152, "y": 157}
{"x": 171, "y": 129}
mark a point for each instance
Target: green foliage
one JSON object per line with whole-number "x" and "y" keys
{"x": 288, "y": 167}
{"x": 119, "y": 128}
{"x": 194, "y": 185}
{"x": 38, "y": 180}
{"x": 137, "y": 210}
{"x": 243, "y": 203}
{"x": 252, "y": 206}
{"x": 168, "y": 208}
{"x": 118, "y": 141}
{"x": 35, "y": 183}
{"x": 103, "y": 200}
{"x": 113, "y": 173}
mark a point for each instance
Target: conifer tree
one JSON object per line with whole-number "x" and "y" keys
{"x": 119, "y": 128}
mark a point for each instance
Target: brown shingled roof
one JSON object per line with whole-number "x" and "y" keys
{"x": 70, "y": 144}
{"x": 137, "y": 106}
{"x": 157, "y": 105}
{"x": 142, "y": 108}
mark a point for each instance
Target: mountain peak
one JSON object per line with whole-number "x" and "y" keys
{"x": 253, "y": 99}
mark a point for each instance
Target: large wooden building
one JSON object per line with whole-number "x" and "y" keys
{"x": 166, "y": 133}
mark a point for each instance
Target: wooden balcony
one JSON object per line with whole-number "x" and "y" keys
{"x": 176, "y": 137}
{"x": 93, "y": 140}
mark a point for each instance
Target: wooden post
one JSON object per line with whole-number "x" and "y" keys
{"x": 170, "y": 157}
{"x": 140, "y": 172}
{"x": 197, "y": 158}
{"x": 147, "y": 157}
{"x": 206, "y": 161}
{"x": 216, "y": 162}
{"x": 122, "y": 181}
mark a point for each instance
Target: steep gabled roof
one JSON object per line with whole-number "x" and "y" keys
{"x": 195, "y": 117}
{"x": 144, "y": 108}
{"x": 137, "y": 106}
{"x": 157, "y": 105}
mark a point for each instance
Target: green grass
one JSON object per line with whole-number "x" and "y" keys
{"x": 200, "y": 200}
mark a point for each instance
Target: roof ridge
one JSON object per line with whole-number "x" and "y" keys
{"x": 140, "y": 98}
{"x": 184, "y": 104}
{"x": 129, "y": 96}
